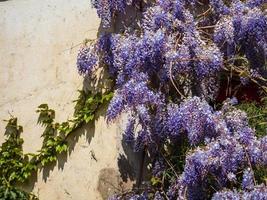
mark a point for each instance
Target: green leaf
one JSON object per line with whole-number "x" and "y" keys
{"x": 50, "y": 142}
{"x": 155, "y": 181}
{"x": 43, "y": 106}
{"x": 43, "y": 162}
{"x": 13, "y": 195}
{"x": 90, "y": 100}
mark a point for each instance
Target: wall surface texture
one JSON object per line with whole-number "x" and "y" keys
{"x": 39, "y": 41}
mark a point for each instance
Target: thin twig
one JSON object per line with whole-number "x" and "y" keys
{"x": 171, "y": 166}
{"x": 174, "y": 83}
{"x": 206, "y": 12}
{"x": 206, "y": 27}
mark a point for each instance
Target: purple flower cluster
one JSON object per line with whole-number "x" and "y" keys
{"x": 106, "y": 9}
{"x": 255, "y": 3}
{"x": 244, "y": 26}
{"x": 259, "y": 193}
{"x": 167, "y": 74}
{"x": 219, "y": 7}
{"x": 87, "y": 60}
{"x": 134, "y": 93}
{"x": 197, "y": 119}
{"x": 234, "y": 148}
{"x": 248, "y": 182}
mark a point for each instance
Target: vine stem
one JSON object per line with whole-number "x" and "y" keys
{"x": 176, "y": 88}
{"x": 206, "y": 12}
{"x": 206, "y": 27}
{"x": 250, "y": 165}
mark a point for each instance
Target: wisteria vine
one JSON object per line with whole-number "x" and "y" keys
{"x": 168, "y": 74}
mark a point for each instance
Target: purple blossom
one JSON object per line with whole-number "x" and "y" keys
{"x": 226, "y": 195}
{"x": 224, "y": 35}
{"x": 259, "y": 193}
{"x": 177, "y": 62}
{"x": 138, "y": 197}
{"x": 143, "y": 140}
{"x": 254, "y": 25}
{"x": 237, "y": 122}
{"x": 158, "y": 167}
{"x": 197, "y": 118}
{"x": 255, "y": 74}
{"x": 107, "y": 8}
{"x": 156, "y": 17}
{"x": 116, "y": 106}
{"x": 144, "y": 116}
{"x": 209, "y": 62}
{"x": 130, "y": 196}
{"x": 219, "y": 7}
{"x": 263, "y": 147}
{"x": 233, "y": 101}
{"x": 255, "y": 3}
{"x": 256, "y": 152}
{"x": 224, "y": 156}
{"x": 170, "y": 49}
{"x": 248, "y": 179}
{"x": 87, "y": 60}
{"x": 158, "y": 196}
{"x": 135, "y": 92}
{"x": 231, "y": 177}
{"x": 129, "y": 131}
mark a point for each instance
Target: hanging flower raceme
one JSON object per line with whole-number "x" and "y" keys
{"x": 106, "y": 9}
{"x": 87, "y": 60}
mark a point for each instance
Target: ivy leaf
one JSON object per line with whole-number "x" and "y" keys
{"x": 43, "y": 106}
{"x": 89, "y": 118}
{"x": 50, "y": 142}
{"x": 90, "y": 100}
{"x": 62, "y": 148}
{"x": 107, "y": 97}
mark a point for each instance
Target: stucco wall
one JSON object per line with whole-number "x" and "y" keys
{"x": 39, "y": 40}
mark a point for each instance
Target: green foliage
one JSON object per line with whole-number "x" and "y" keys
{"x": 86, "y": 106}
{"x": 13, "y": 193}
{"x": 14, "y": 165}
{"x": 174, "y": 155}
{"x": 257, "y": 114}
{"x": 55, "y": 134}
{"x": 17, "y": 167}
{"x": 53, "y": 143}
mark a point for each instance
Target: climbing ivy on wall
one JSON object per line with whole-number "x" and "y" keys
{"x": 17, "y": 167}
{"x": 14, "y": 165}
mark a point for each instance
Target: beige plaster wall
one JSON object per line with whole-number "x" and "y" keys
{"x": 39, "y": 40}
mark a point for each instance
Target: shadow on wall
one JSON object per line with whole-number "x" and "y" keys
{"x": 128, "y": 20}
{"x": 128, "y": 161}
{"x": 88, "y": 130}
